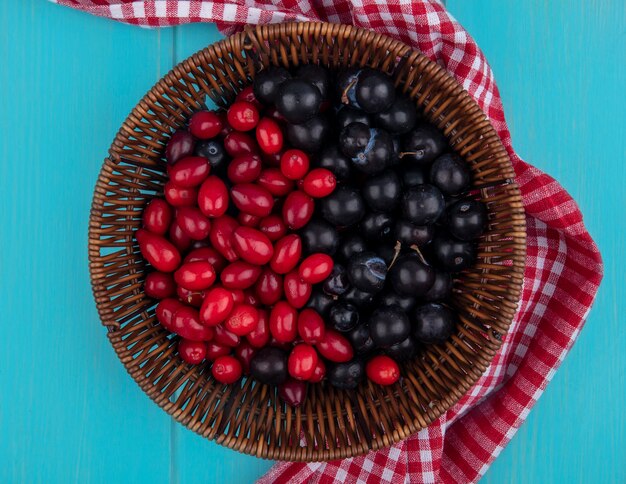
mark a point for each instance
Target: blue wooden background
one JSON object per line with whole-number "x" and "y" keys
{"x": 68, "y": 410}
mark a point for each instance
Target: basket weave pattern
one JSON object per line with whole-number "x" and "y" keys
{"x": 249, "y": 416}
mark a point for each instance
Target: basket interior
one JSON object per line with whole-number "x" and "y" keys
{"x": 249, "y": 416}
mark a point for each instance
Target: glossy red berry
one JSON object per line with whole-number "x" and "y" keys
{"x": 178, "y": 237}
{"x": 275, "y": 182}
{"x": 240, "y": 275}
{"x": 179, "y": 196}
{"x": 193, "y": 352}
{"x": 158, "y": 251}
{"x": 273, "y": 227}
{"x": 217, "y": 305}
{"x": 244, "y": 353}
{"x": 213, "y": 197}
{"x": 192, "y": 298}
{"x": 242, "y": 319}
{"x": 247, "y": 94}
{"x": 294, "y": 164}
{"x": 237, "y": 144}
{"x": 311, "y": 327}
{"x": 215, "y": 350}
{"x": 315, "y": 268}
{"x": 205, "y": 124}
{"x": 284, "y": 322}
{"x": 251, "y": 298}
{"x": 221, "y": 236}
{"x": 269, "y": 136}
{"x": 252, "y": 245}
{"x": 165, "y": 312}
{"x": 268, "y": 287}
{"x": 226, "y": 369}
{"x": 244, "y": 169}
{"x": 239, "y": 296}
{"x": 193, "y": 223}
{"x": 157, "y": 216}
{"x": 382, "y": 370}
{"x": 302, "y": 361}
{"x": 298, "y": 210}
{"x": 225, "y": 337}
{"x": 178, "y": 146}
{"x": 335, "y": 347}
{"x": 297, "y": 292}
{"x": 242, "y": 116}
{"x": 319, "y": 183}
{"x": 260, "y": 335}
{"x": 159, "y": 285}
{"x": 195, "y": 276}
{"x": 252, "y": 199}
{"x": 287, "y": 252}
{"x": 319, "y": 372}
{"x": 189, "y": 171}
{"x": 292, "y": 392}
{"x": 208, "y": 254}
{"x": 186, "y": 323}
{"x": 248, "y": 220}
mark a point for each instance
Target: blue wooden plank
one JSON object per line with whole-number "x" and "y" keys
{"x": 561, "y": 71}
{"x": 68, "y": 411}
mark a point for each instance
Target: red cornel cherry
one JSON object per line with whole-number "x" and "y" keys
{"x": 311, "y": 326}
{"x": 193, "y": 352}
{"x": 252, "y": 245}
{"x": 240, "y": 275}
{"x": 298, "y": 210}
{"x": 208, "y": 254}
{"x": 195, "y": 276}
{"x": 189, "y": 171}
{"x": 158, "y": 251}
{"x": 242, "y": 116}
{"x": 193, "y": 223}
{"x": 315, "y": 268}
{"x": 252, "y": 199}
{"x": 294, "y": 164}
{"x": 297, "y": 291}
{"x": 237, "y": 144}
{"x": 226, "y": 369}
{"x": 293, "y": 392}
{"x": 159, "y": 285}
{"x": 244, "y": 169}
{"x": 221, "y": 236}
{"x": 179, "y": 196}
{"x": 275, "y": 182}
{"x": 283, "y": 322}
{"x": 242, "y": 319}
{"x": 287, "y": 253}
{"x": 382, "y": 370}
{"x": 157, "y": 216}
{"x": 302, "y": 362}
{"x": 205, "y": 124}
{"x": 319, "y": 183}
{"x": 178, "y": 237}
{"x": 217, "y": 305}
{"x": 186, "y": 323}
{"x": 335, "y": 347}
{"x": 273, "y": 226}
{"x": 213, "y": 197}
{"x": 260, "y": 336}
{"x": 269, "y": 287}
{"x": 269, "y": 136}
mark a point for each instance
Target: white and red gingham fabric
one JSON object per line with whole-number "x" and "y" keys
{"x": 563, "y": 270}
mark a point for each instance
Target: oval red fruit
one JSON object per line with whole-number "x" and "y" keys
{"x": 178, "y": 237}
{"x": 294, "y": 164}
{"x": 242, "y": 116}
{"x": 311, "y": 327}
{"x": 213, "y": 197}
{"x": 302, "y": 361}
{"x": 242, "y": 319}
{"x": 158, "y": 251}
{"x": 273, "y": 227}
{"x": 240, "y": 275}
{"x": 179, "y": 145}
{"x": 193, "y": 298}
{"x": 244, "y": 169}
{"x": 252, "y": 199}
{"x": 189, "y": 171}
{"x": 260, "y": 335}
{"x": 226, "y": 369}
{"x": 275, "y": 182}
{"x": 319, "y": 372}
{"x": 287, "y": 252}
{"x": 293, "y": 392}
{"x": 247, "y": 94}
{"x": 221, "y": 236}
{"x": 237, "y": 143}
{"x": 244, "y": 353}
{"x": 179, "y": 196}
{"x": 193, "y": 223}
{"x": 195, "y": 276}
{"x": 205, "y": 124}
{"x": 315, "y": 268}
{"x": 193, "y": 352}
{"x": 186, "y": 323}
{"x": 382, "y": 370}
{"x": 269, "y": 136}
{"x": 335, "y": 347}
{"x": 297, "y": 210}
{"x": 319, "y": 183}
{"x": 217, "y": 305}
{"x": 165, "y": 312}
{"x": 269, "y": 287}
{"x": 252, "y": 245}
{"x": 215, "y": 350}
{"x": 297, "y": 292}
{"x": 208, "y": 254}
{"x": 283, "y": 322}
{"x": 157, "y": 216}
{"x": 159, "y": 285}
{"x": 225, "y": 337}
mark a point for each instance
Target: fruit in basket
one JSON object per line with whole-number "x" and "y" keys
{"x": 306, "y": 236}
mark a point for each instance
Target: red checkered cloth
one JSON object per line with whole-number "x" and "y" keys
{"x": 563, "y": 269}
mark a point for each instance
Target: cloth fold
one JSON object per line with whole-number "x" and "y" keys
{"x": 563, "y": 269}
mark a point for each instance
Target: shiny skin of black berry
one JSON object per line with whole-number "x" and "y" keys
{"x": 467, "y": 219}
{"x": 354, "y": 138}
{"x": 390, "y": 298}
{"x": 399, "y": 118}
{"x": 450, "y": 174}
{"x": 213, "y": 150}
{"x": 316, "y": 75}
{"x": 320, "y": 302}
{"x": 382, "y": 192}
{"x": 376, "y": 155}
{"x": 367, "y": 272}
{"x": 346, "y": 376}
{"x": 266, "y": 84}
{"x": 298, "y": 100}
{"x": 309, "y": 136}
{"x": 423, "y": 205}
{"x": 350, "y": 245}
{"x": 411, "y": 175}
{"x": 374, "y": 91}
{"x": 361, "y": 299}
{"x": 395, "y": 160}
{"x": 343, "y": 316}
{"x": 346, "y": 83}
{"x": 269, "y": 365}
{"x": 409, "y": 276}
{"x": 389, "y": 325}
{"x": 410, "y": 234}
{"x": 360, "y": 339}
{"x": 337, "y": 283}
{"x": 386, "y": 251}
{"x": 334, "y": 160}
{"x": 343, "y": 207}
{"x": 433, "y": 323}
{"x": 423, "y": 144}
{"x": 377, "y": 227}
{"x": 319, "y": 236}
{"x": 453, "y": 255}
{"x": 404, "y": 350}
{"x": 441, "y": 288}
{"x": 347, "y": 115}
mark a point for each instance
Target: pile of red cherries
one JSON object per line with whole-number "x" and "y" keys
{"x": 308, "y": 233}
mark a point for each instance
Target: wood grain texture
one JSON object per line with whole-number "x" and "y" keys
{"x": 74, "y": 415}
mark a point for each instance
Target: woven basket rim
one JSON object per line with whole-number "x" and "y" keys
{"x": 246, "y": 41}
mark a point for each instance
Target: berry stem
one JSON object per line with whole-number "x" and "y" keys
{"x": 419, "y": 253}
{"x": 396, "y": 253}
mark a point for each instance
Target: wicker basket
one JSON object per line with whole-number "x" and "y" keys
{"x": 248, "y": 416}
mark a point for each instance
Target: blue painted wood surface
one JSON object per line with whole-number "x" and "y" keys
{"x": 70, "y": 413}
